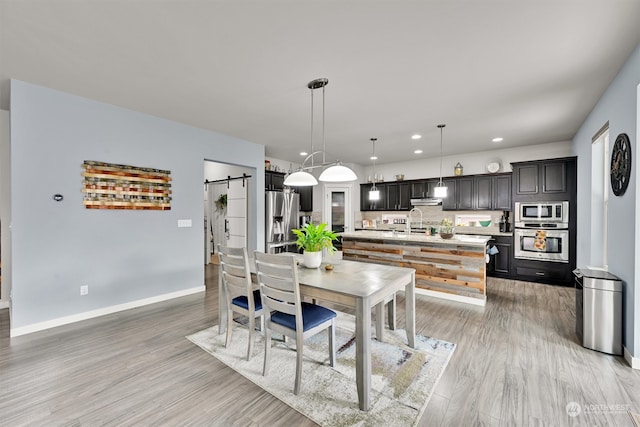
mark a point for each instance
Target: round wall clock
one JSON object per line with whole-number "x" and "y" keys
{"x": 620, "y": 164}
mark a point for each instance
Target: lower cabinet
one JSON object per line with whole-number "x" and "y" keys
{"x": 555, "y": 273}
{"x": 500, "y": 263}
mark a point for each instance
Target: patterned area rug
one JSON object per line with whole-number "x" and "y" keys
{"x": 403, "y": 378}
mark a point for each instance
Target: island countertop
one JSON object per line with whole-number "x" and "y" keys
{"x": 466, "y": 239}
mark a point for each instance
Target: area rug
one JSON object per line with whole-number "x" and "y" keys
{"x": 403, "y": 379}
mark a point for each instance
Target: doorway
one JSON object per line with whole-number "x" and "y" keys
{"x": 228, "y": 207}
{"x": 337, "y": 209}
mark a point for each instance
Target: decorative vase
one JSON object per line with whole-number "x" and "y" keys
{"x": 446, "y": 232}
{"x": 312, "y": 259}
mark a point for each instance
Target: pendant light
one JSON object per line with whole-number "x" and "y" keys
{"x": 440, "y": 190}
{"x": 336, "y": 172}
{"x": 374, "y": 193}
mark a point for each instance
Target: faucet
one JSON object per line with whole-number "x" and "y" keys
{"x": 408, "y": 230}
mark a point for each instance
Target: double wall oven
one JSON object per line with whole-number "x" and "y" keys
{"x": 541, "y": 231}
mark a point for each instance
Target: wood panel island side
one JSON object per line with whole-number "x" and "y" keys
{"x": 452, "y": 269}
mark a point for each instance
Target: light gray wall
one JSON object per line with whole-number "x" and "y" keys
{"x": 5, "y": 218}
{"x": 124, "y": 256}
{"x": 619, "y": 106}
{"x": 472, "y": 163}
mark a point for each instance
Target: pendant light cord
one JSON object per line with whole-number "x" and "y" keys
{"x": 441, "y": 127}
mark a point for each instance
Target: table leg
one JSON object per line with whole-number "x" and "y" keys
{"x": 222, "y": 306}
{"x": 410, "y": 310}
{"x": 363, "y": 352}
{"x": 380, "y": 320}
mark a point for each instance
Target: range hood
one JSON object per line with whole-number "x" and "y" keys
{"x": 426, "y": 201}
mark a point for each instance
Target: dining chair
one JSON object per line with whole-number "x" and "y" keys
{"x": 285, "y": 313}
{"x": 240, "y": 296}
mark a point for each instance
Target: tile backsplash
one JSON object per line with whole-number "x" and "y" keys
{"x": 431, "y": 216}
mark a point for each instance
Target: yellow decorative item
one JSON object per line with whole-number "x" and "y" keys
{"x": 458, "y": 169}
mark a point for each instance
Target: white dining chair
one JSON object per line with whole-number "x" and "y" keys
{"x": 240, "y": 296}
{"x": 285, "y": 313}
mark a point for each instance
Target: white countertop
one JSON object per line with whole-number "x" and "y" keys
{"x": 471, "y": 240}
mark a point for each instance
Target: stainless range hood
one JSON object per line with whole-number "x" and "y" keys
{"x": 426, "y": 201}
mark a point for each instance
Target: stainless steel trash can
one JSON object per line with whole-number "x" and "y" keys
{"x": 599, "y": 310}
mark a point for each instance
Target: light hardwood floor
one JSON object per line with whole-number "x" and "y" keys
{"x": 517, "y": 363}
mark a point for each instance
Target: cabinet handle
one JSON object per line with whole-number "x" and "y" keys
{"x": 539, "y": 273}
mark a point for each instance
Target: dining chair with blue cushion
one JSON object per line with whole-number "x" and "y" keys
{"x": 285, "y": 313}
{"x": 240, "y": 296}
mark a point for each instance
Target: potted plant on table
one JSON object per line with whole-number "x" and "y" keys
{"x": 313, "y": 239}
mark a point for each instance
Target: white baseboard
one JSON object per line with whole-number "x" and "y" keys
{"x": 14, "y": 332}
{"x": 634, "y": 362}
{"x": 4, "y": 304}
{"x": 451, "y": 297}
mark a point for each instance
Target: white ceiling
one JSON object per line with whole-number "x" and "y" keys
{"x": 529, "y": 71}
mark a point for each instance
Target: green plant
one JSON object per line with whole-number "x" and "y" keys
{"x": 446, "y": 226}
{"x": 314, "y": 238}
{"x": 222, "y": 201}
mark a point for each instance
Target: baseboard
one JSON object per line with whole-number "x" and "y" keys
{"x": 451, "y": 297}
{"x": 4, "y": 304}
{"x": 634, "y": 362}
{"x": 14, "y": 332}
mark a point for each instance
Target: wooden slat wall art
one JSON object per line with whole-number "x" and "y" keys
{"x": 112, "y": 186}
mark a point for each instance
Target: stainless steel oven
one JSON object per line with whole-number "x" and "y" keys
{"x": 541, "y": 215}
{"x": 541, "y": 244}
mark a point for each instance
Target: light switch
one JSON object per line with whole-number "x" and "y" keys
{"x": 184, "y": 223}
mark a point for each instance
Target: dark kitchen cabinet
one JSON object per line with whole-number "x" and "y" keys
{"x": 450, "y": 203}
{"x": 306, "y": 198}
{"x": 419, "y": 189}
{"x": 540, "y": 178}
{"x": 501, "y": 192}
{"x": 483, "y": 186}
{"x": 478, "y": 192}
{"x": 465, "y": 193}
{"x": 273, "y": 181}
{"x": 423, "y": 188}
{"x": 372, "y": 205}
{"x": 501, "y": 262}
{"x": 398, "y": 196}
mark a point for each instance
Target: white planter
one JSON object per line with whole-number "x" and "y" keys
{"x": 312, "y": 259}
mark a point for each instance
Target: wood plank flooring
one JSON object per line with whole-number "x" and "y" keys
{"x": 517, "y": 363}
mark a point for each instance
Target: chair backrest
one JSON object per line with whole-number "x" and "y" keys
{"x": 278, "y": 279}
{"x": 235, "y": 273}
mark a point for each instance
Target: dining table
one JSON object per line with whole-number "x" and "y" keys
{"x": 361, "y": 287}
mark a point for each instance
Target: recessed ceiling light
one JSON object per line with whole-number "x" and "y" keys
{"x": 416, "y": 136}
{"x": 498, "y": 139}
{"x": 373, "y": 158}
{"x": 418, "y": 151}
{"x": 303, "y": 153}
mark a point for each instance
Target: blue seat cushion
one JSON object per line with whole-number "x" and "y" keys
{"x": 312, "y": 315}
{"x": 242, "y": 301}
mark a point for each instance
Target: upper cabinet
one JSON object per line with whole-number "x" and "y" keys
{"x": 273, "y": 181}
{"x": 398, "y": 196}
{"x": 479, "y": 192}
{"x": 543, "y": 179}
{"x": 475, "y": 192}
{"x": 373, "y": 205}
{"x": 306, "y": 198}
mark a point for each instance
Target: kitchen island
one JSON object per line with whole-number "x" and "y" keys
{"x": 445, "y": 268}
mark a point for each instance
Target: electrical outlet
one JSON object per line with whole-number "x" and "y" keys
{"x": 84, "y": 289}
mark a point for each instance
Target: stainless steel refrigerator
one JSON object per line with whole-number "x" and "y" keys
{"x": 282, "y": 216}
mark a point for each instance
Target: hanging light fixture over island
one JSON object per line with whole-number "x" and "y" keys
{"x": 440, "y": 190}
{"x": 336, "y": 172}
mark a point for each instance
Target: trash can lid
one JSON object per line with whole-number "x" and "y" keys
{"x": 595, "y": 274}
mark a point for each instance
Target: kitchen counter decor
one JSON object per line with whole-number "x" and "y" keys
{"x": 446, "y": 228}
